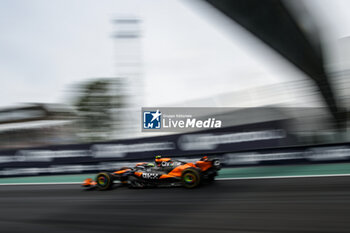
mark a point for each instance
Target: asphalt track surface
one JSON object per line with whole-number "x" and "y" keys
{"x": 263, "y": 205}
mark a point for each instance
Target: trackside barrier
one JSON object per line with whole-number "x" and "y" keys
{"x": 256, "y": 144}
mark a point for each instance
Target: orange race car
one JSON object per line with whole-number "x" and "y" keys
{"x": 164, "y": 172}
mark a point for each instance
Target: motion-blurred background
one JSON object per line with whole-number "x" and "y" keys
{"x": 75, "y": 73}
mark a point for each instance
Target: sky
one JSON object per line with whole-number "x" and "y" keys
{"x": 189, "y": 51}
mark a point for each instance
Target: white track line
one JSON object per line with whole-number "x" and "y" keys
{"x": 281, "y": 177}
{"x": 46, "y": 183}
{"x": 233, "y": 178}
{"x": 43, "y": 183}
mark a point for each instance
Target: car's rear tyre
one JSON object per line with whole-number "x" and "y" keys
{"x": 104, "y": 181}
{"x": 190, "y": 178}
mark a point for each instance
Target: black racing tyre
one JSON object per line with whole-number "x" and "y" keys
{"x": 190, "y": 178}
{"x": 104, "y": 181}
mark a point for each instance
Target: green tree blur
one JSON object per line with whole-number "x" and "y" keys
{"x": 97, "y": 103}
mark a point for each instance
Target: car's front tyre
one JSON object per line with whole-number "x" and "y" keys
{"x": 104, "y": 181}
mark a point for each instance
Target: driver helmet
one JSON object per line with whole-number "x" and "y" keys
{"x": 158, "y": 160}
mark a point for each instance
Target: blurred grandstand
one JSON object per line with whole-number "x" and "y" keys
{"x": 37, "y": 125}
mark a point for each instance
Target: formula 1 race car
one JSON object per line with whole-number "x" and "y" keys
{"x": 165, "y": 172}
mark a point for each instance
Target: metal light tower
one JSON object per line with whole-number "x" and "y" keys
{"x": 128, "y": 66}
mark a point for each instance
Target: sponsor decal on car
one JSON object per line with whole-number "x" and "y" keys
{"x": 150, "y": 175}
{"x": 170, "y": 164}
